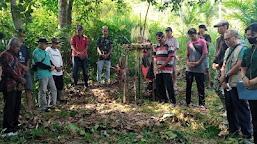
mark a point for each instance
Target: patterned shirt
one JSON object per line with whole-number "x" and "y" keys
{"x": 161, "y": 53}
{"x": 105, "y": 44}
{"x": 11, "y": 70}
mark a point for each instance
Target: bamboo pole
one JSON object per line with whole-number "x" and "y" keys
{"x": 125, "y": 75}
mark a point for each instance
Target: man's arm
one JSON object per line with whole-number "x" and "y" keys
{"x": 235, "y": 69}
{"x": 99, "y": 51}
{"x": 165, "y": 63}
{"x": 74, "y": 49}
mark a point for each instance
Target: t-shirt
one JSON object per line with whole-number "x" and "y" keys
{"x": 174, "y": 42}
{"x": 246, "y": 62}
{"x": 105, "y": 44}
{"x": 23, "y": 55}
{"x": 161, "y": 53}
{"x": 38, "y": 56}
{"x": 195, "y": 50}
{"x": 56, "y": 59}
{"x": 220, "y": 49}
{"x": 80, "y": 44}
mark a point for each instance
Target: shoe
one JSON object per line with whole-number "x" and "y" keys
{"x": 208, "y": 87}
{"x": 45, "y": 110}
{"x": 10, "y": 134}
{"x": 62, "y": 101}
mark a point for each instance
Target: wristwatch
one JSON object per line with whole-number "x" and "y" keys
{"x": 226, "y": 77}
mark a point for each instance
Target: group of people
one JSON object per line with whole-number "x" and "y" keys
{"x": 233, "y": 62}
{"x": 47, "y": 64}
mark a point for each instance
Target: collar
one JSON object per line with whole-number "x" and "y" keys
{"x": 236, "y": 46}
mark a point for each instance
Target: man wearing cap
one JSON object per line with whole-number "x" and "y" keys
{"x": 43, "y": 74}
{"x": 196, "y": 53}
{"x": 220, "y": 49}
{"x": 56, "y": 59}
{"x": 24, "y": 58}
{"x": 79, "y": 44}
{"x": 175, "y": 43}
{"x": 104, "y": 49}
{"x": 163, "y": 55}
{"x": 207, "y": 38}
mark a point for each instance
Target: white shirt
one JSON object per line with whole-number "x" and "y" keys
{"x": 56, "y": 59}
{"x": 174, "y": 42}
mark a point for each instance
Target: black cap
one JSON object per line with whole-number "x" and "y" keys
{"x": 160, "y": 34}
{"x": 43, "y": 39}
{"x": 55, "y": 40}
{"x": 168, "y": 29}
{"x": 222, "y": 23}
{"x": 1, "y": 35}
{"x": 79, "y": 27}
{"x": 203, "y": 26}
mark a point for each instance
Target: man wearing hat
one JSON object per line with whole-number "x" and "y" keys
{"x": 163, "y": 55}
{"x": 23, "y": 56}
{"x": 43, "y": 74}
{"x": 220, "y": 50}
{"x": 175, "y": 43}
{"x": 207, "y": 38}
{"x": 79, "y": 44}
{"x": 56, "y": 59}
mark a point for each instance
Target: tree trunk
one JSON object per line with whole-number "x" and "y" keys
{"x": 15, "y": 16}
{"x": 62, "y": 13}
{"x": 69, "y": 13}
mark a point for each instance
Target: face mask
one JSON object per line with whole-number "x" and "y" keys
{"x": 252, "y": 40}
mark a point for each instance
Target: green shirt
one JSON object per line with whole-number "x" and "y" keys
{"x": 246, "y": 62}
{"x": 38, "y": 56}
{"x": 240, "y": 56}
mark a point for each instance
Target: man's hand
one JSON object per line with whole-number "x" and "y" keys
{"x": 160, "y": 67}
{"x": 52, "y": 68}
{"x": 59, "y": 69}
{"x": 246, "y": 82}
{"x": 23, "y": 81}
{"x": 222, "y": 79}
{"x": 224, "y": 85}
{"x": 26, "y": 68}
{"x": 215, "y": 66}
{"x": 192, "y": 64}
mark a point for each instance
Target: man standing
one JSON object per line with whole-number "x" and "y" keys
{"x": 56, "y": 59}
{"x": 163, "y": 55}
{"x": 175, "y": 43}
{"x": 238, "y": 113}
{"x": 24, "y": 59}
{"x": 196, "y": 53}
{"x": 79, "y": 44}
{"x": 220, "y": 49}
{"x": 12, "y": 81}
{"x": 43, "y": 73}
{"x": 207, "y": 38}
{"x": 104, "y": 49}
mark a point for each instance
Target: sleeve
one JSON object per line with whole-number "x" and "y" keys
{"x": 176, "y": 43}
{"x": 61, "y": 59}
{"x": 171, "y": 50}
{"x": 216, "y": 51}
{"x": 244, "y": 59}
{"x": 28, "y": 53}
{"x": 204, "y": 50}
{"x": 73, "y": 41}
{"x": 36, "y": 57}
{"x": 241, "y": 54}
{"x": 188, "y": 49}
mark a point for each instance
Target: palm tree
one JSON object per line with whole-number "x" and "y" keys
{"x": 209, "y": 11}
{"x": 246, "y": 10}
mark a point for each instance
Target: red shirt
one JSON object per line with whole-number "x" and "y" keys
{"x": 80, "y": 44}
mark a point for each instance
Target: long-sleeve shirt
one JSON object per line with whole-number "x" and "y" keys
{"x": 11, "y": 70}
{"x": 220, "y": 50}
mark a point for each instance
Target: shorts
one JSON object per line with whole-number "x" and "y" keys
{"x": 58, "y": 80}
{"x": 175, "y": 64}
{"x": 28, "y": 84}
{"x": 206, "y": 63}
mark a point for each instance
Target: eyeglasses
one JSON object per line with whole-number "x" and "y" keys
{"x": 227, "y": 39}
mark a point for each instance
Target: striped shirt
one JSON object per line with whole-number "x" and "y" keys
{"x": 161, "y": 53}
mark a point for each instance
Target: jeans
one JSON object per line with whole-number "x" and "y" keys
{"x": 164, "y": 82}
{"x": 12, "y": 108}
{"x": 238, "y": 113}
{"x": 253, "y": 107}
{"x": 43, "y": 85}
{"x": 199, "y": 78}
{"x": 100, "y": 65}
{"x": 76, "y": 61}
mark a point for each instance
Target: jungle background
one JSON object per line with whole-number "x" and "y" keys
{"x": 97, "y": 115}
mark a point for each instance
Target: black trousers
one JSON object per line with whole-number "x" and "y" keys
{"x": 12, "y": 106}
{"x": 164, "y": 82}
{"x": 58, "y": 80}
{"x": 238, "y": 113}
{"x": 199, "y": 78}
{"x": 253, "y": 107}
